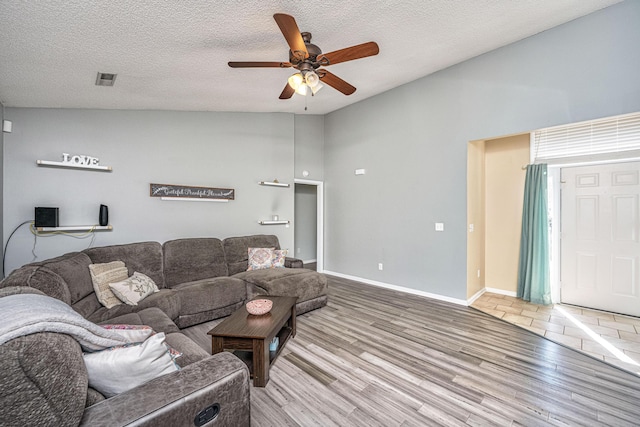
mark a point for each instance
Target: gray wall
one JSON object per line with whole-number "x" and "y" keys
{"x": 1, "y": 179}
{"x": 188, "y": 148}
{"x": 309, "y": 150}
{"x": 412, "y": 141}
{"x": 305, "y": 235}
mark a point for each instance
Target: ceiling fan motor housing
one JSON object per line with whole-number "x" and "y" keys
{"x": 313, "y": 51}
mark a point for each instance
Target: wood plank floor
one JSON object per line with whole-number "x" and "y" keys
{"x": 377, "y": 357}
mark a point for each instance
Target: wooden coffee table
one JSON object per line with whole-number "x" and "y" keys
{"x": 250, "y": 335}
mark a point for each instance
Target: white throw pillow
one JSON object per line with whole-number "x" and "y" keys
{"x": 118, "y": 369}
{"x": 102, "y": 275}
{"x": 134, "y": 289}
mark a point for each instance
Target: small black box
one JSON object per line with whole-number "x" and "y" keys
{"x": 46, "y": 217}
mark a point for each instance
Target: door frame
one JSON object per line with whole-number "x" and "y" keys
{"x": 319, "y": 220}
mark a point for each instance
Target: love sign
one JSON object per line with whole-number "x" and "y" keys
{"x": 80, "y": 159}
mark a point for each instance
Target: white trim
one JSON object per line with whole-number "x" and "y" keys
{"x": 319, "y": 220}
{"x": 501, "y": 292}
{"x": 191, "y": 199}
{"x": 398, "y": 288}
{"x": 476, "y": 296}
{"x": 309, "y": 261}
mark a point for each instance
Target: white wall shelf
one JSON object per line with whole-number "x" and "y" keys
{"x": 273, "y": 184}
{"x": 269, "y": 222}
{"x": 51, "y": 164}
{"x": 72, "y": 228}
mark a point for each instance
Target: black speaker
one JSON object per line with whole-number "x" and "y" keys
{"x": 46, "y": 217}
{"x": 103, "y": 219}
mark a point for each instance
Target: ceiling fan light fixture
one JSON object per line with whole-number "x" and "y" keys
{"x": 311, "y": 78}
{"x": 316, "y": 87}
{"x": 302, "y": 89}
{"x": 295, "y": 81}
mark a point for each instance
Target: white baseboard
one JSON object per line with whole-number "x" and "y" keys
{"x": 501, "y": 292}
{"x": 476, "y": 296}
{"x": 397, "y": 288}
{"x": 309, "y": 261}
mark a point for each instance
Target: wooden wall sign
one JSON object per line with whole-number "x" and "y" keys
{"x": 187, "y": 192}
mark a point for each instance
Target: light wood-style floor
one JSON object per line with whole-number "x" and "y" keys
{"x": 377, "y": 357}
{"x": 614, "y": 338}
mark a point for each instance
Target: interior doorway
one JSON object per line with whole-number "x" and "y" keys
{"x": 309, "y": 224}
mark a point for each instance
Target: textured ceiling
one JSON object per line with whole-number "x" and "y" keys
{"x": 172, "y": 55}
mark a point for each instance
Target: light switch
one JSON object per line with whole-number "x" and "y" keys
{"x": 471, "y": 228}
{"x": 439, "y": 226}
{"x": 360, "y": 171}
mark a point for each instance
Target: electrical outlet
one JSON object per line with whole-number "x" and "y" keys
{"x": 299, "y": 250}
{"x": 478, "y": 273}
{"x": 380, "y": 266}
{"x": 439, "y": 226}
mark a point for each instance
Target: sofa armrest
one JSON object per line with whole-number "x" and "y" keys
{"x": 175, "y": 399}
{"x": 293, "y": 262}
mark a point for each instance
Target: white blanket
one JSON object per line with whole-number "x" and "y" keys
{"x": 25, "y": 314}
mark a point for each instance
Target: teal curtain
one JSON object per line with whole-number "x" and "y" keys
{"x": 533, "y": 268}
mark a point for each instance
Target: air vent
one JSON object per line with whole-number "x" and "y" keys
{"x": 105, "y": 79}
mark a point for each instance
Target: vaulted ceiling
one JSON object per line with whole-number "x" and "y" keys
{"x": 172, "y": 55}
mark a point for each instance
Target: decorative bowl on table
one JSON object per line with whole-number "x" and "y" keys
{"x": 258, "y": 307}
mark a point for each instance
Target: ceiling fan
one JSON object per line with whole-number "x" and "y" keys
{"x": 307, "y": 58}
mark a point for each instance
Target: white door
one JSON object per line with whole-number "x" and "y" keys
{"x": 600, "y": 237}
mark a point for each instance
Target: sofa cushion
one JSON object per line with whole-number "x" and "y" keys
{"x": 236, "y": 250}
{"x": 44, "y": 381}
{"x": 145, "y": 257}
{"x": 208, "y": 294}
{"x": 301, "y": 283}
{"x": 65, "y": 277}
{"x": 188, "y": 260}
{"x": 166, "y": 300}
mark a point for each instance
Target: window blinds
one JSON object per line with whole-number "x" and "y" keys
{"x": 610, "y": 138}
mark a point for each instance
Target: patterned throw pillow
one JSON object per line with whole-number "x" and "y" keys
{"x": 102, "y": 275}
{"x": 132, "y": 333}
{"x": 278, "y": 258}
{"x": 260, "y": 258}
{"x": 134, "y": 289}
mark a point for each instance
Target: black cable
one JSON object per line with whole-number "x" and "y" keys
{"x": 4, "y": 253}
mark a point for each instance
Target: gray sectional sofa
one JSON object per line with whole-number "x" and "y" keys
{"x": 200, "y": 279}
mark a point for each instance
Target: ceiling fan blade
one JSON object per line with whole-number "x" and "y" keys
{"x": 287, "y": 92}
{"x": 291, "y": 33}
{"x": 349, "y": 53}
{"x": 335, "y": 82}
{"x": 257, "y": 64}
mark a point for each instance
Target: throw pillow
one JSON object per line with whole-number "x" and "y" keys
{"x": 137, "y": 334}
{"x": 278, "y": 258}
{"x": 134, "y": 289}
{"x": 118, "y": 369}
{"x": 102, "y": 275}
{"x": 260, "y": 258}
{"x": 132, "y": 333}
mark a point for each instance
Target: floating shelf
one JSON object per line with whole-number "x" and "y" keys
{"x": 72, "y": 166}
{"x": 273, "y": 184}
{"x": 76, "y": 228}
{"x": 193, "y": 199}
{"x": 269, "y": 222}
